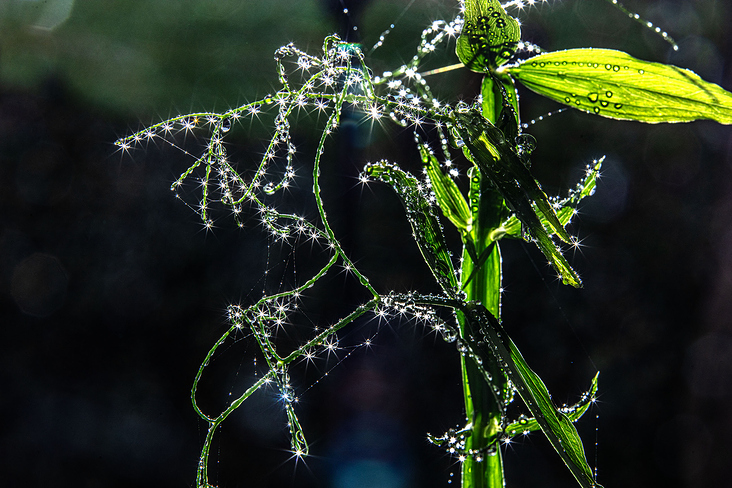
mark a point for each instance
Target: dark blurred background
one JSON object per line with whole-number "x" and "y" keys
{"x": 111, "y": 293}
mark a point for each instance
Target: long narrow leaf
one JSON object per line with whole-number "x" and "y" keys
{"x": 556, "y": 425}
{"x": 495, "y": 158}
{"x": 616, "y": 85}
{"x": 426, "y": 228}
{"x": 567, "y": 207}
{"x": 574, "y": 413}
{"x": 449, "y": 199}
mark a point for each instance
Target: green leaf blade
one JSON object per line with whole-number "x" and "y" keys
{"x": 426, "y": 229}
{"x": 614, "y": 84}
{"x": 574, "y": 413}
{"x": 567, "y": 207}
{"x": 486, "y": 146}
{"x": 449, "y": 199}
{"x": 556, "y": 425}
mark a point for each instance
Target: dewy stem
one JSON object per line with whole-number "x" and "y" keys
{"x": 481, "y": 282}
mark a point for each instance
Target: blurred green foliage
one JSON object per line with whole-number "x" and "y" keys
{"x": 156, "y": 55}
{"x": 159, "y": 56}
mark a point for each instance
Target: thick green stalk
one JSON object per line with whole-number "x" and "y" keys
{"x": 481, "y": 281}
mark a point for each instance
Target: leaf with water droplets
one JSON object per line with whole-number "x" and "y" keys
{"x": 573, "y": 413}
{"x": 489, "y": 36}
{"x": 567, "y": 207}
{"x": 449, "y": 199}
{"x": 426, "y": 228}
{"x": 616, "y": 85}
{"x": 556, "y": 425}
{"x": 487, "y": 147}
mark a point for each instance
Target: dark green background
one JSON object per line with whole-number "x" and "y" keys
{"x": 110, "y": 293}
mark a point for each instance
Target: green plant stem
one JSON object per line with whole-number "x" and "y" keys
{"x": 482, "y": 283}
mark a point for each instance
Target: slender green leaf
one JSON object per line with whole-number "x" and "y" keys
{"x": 449, "y": 199}
{"x": 616, "y": 85}
{"x": 567, "y": 207}
{"x": 556, "y": 425}
{"x": 489, "y": 36}
{"x": 426, "y": 228}
{"x": 573, "y": 413}
{"x": 496, "y": 159}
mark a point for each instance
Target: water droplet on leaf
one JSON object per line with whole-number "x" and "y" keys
{"x": 526, "y": 144}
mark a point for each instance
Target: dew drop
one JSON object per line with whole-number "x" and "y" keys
{"x": 604, "y": 103}
{"x": 448, "y": 335}
{"x": 596, "y": 110}
{"x": 225, "y": 125}
{"x": 641, "y": 72}
{"x": 616, "y": 68}
{"x": 593, "y": 97}
{"x": 526, "y": 143}
{"x": 567, "y": 99}
{"x": 618, "y": 106}
{"x": 608, "y": 67}
{"x": 608, "y": 94}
